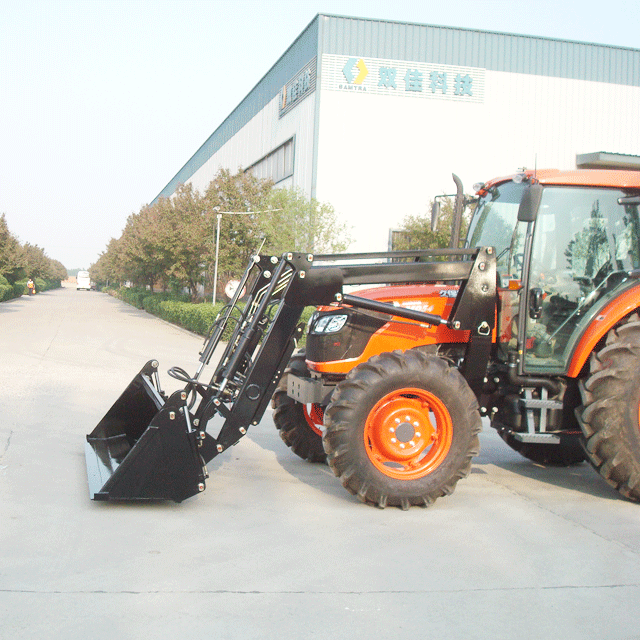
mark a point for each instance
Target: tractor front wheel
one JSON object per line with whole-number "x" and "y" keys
{"x": 402, "y": 429}
{"x": 300, "y": 425}
{"x": 610, "y": 415}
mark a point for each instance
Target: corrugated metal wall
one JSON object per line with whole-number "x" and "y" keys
{"x": 492, "y": 51}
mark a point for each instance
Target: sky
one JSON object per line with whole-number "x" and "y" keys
{"x": 103, "y": 101}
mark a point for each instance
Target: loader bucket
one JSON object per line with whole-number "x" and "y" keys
{"x": 143, "y": 448}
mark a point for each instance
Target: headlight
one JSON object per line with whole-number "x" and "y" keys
{"x": 330, "y": 324}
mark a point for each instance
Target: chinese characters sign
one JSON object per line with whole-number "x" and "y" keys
{"x": 302, "y": 85}
{"x": 402, "y": 78}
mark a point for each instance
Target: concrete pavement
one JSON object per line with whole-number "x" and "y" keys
{"x": 275, "y": 547}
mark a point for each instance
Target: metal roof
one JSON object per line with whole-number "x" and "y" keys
{"x": 490, "y": 50}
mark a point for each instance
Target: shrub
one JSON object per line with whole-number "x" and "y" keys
{"x": 175, "y": 309}
{"x": 6, "y": 292}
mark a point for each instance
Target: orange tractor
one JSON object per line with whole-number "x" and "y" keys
{"x": 533, "y": 323}
{"x": 395, "y": 405}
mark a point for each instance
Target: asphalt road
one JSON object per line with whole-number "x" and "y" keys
{"x": 275, "y": 547}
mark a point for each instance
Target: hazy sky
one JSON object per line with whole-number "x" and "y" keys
{"x": 102, "y": 102}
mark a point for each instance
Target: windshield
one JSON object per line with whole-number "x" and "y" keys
{"x": 495, "y": 219}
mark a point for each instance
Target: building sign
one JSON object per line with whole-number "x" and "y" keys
{"x": 298, "y": 88}
{"x": 402, "y": 78}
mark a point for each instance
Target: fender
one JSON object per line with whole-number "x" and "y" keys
{"x": 617, "y": 309}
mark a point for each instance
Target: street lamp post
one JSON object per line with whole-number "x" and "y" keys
{"x": 215, "y": 269}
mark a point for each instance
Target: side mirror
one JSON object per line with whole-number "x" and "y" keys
{"x": 528, "y": 210}
{"x": 435, "y": 214}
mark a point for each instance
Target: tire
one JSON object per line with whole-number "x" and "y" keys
{"x": 402, "y": 429}
{"x": 609, "y": 417}
{"x": 300, "y": 425}
{"x": 563, "y": 454}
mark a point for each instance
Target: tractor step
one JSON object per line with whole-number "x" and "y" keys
{"x": 536, "y": 438}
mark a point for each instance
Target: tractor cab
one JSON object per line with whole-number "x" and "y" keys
{"x": 567, "y": 243}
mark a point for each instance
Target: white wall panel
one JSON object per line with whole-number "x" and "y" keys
{"x": 381, "y": 158}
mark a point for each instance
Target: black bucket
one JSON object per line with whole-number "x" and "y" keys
{"x": 144, "y": 447}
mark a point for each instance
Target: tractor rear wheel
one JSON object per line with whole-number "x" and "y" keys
{"x": 610, "y": 415}
{"x": 402, "y": 429}
{"x": 300, "y": 425}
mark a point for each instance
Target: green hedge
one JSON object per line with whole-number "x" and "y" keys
{"x": 9, "y": 291}
{"x": 6, "y": 292}
{"x": 17, "y": 289}
{"x": 197, "y": 318}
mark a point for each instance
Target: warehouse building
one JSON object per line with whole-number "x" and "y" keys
{"x": 374, "y": 116}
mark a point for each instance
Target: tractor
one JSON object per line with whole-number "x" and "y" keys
{"x": 533, "y": 323}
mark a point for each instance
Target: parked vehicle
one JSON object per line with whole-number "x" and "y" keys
{"x": 83, "y": 281}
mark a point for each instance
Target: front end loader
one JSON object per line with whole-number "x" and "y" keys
{"x": 152, "y": 447}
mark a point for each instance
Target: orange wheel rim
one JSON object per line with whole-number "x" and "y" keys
{"x": 314, "y": 415}
{"x": 408, "y": 434}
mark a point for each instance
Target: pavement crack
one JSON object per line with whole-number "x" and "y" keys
{"x": 318, "y": 592}
{"x": 6, "y": 446}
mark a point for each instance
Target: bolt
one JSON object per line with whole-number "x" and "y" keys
{"x": 416, "y": 423}
{"x": 267, "y": 274}
{"x": 201, "y": 486}
{"x": 183, "y": 395}
{"x": 220, "y": 448}
{"x": 392, "y": 430}
{"x": 397, "y": 420}
{"x": 289, "y": 256}
{"x": 303, "y": 274}
{"x": 273, "y": 260}
{"x": 402, "y": 445}
{"x": 196, "y": 422}
{"x": 242, "y": 430}
{"x": 310, "y": 257}
{"x": 412, "y": 443}
{"x": 418, "y": 434}
{"x": 202, "y": 435}
{"x": 482, "y": 266}
{"x": 393, "y": 440}
{"x": 172, "y": 415}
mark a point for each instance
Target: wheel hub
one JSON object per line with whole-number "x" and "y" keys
{"x": 408, "y": 433}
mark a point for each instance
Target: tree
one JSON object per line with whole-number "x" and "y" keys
{"x": 415, "y": 231}
{"x": 36, "y": 262}
{"x": 183, "y": 238}
{"x": 240, "y": 235}
{"x": 300, "y": 224}
{"x": 107, "y": 269}
{"x": 11, "y": 255}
